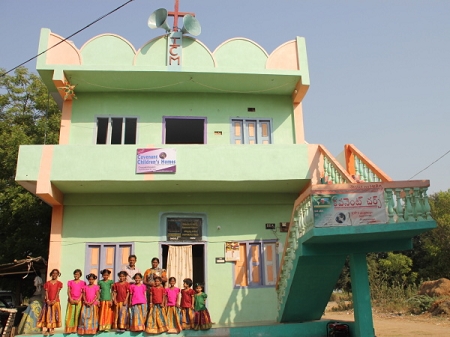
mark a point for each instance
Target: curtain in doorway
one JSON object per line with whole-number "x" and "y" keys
{"x": 179, "y": 264}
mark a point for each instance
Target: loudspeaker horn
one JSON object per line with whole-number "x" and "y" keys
{"x": 158, "y": 19}
{"x": 191, "y": 25}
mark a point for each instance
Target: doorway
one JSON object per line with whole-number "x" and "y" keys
{"x": 198, "y": 260}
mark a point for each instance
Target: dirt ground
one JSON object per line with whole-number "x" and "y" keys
{"x": 395, "y": 325}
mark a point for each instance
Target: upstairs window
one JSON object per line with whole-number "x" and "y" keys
{"x": 251, "y": 131}
{"x": 116, "y": 130}
{"x": 184, "y": 130}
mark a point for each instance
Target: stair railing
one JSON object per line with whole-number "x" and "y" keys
{"x": 360, "y": 167}
{"x": 302, "y": 219}
{"x": 333, "y": 172}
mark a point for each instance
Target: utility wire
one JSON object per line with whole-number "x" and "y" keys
{"x": 431, "y": 164}
{"x": 78, "y": 31}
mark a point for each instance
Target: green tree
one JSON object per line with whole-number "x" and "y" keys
{"x": 390, "y": 269}
{"x": 27, "y": 116}
{"x": 396, "y": 269}
{"x": 431, "y": 254}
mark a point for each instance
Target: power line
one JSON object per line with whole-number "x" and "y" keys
{"x": 431, "y": 164}
{"x": 78, "y": 31}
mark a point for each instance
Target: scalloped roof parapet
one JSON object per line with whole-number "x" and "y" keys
{"x": 195, "y": 53}
{"x": 113, "y": 50}
{"x": 240, "y": 52}
{"x": 284, "y": 57}
{"x": 64, "y": 53}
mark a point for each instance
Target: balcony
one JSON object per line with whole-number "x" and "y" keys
{"x": 199, "y": 168}
{"x": 332, "y": 221}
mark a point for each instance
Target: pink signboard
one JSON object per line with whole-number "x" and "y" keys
{"x": 156, "y": 161}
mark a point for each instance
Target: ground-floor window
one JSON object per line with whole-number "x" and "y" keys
{"x": 112, "y": 256}
{"x": 257, "y": 265}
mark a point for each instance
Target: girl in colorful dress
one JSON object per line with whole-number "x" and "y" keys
{"x": 138, "y": 293}
{"x": 121, "y": 291}
{"x": 157, "y": 319}
{"x": 74, "y": 302}
{"x": 88, "y": 324}
{"x": 172, "y": 307}
{"x": 106, "y": 314}
{"x": 50, "y": 317}
{"x": 202, "y": 320}
{"x": 187, "y": 305}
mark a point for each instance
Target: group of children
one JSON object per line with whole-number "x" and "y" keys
{"x": 93, "y": 308}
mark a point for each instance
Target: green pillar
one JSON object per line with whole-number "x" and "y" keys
{"x": 361, "y": 296}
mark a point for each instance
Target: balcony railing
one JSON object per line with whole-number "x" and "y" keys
{"x": 407, "y": 202}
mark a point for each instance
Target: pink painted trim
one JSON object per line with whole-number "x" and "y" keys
{"x": 299, "y": 92}
{"x": 337, "y": 165}
{"x": 44, "y": 188}
{"x": 66, "y": 117}
{"x": 272, "y": 58}
{"x": 298, "y": 124}
{"x": 45, "y": 169}
{"x": 54, "y": 253}
{"x": 362, "y": 186}
{"x": 315, "y": 160}
{"x": 351, "y": 150}
{"x": 284, "y": 44}
{"x": 51, "y": 52}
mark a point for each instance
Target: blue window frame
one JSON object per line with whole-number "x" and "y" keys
{"x": 251, "y": 131}
{"x": 112, "y": 256}
{"x": 257, "y": 265}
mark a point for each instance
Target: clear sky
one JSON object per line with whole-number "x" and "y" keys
{"x": 380, "y": 70}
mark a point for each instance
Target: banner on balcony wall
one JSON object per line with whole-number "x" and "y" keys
{"x": 156, "y": 161}
{"x": 349, "y": 207}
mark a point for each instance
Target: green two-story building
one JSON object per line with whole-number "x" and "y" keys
{"x": 186, "y": 154}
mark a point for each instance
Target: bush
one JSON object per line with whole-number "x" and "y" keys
{"x": 342, "y": 305}
{"x": 419, "y": 304}
{"x": 392, "y": 297}
{"x": 343, "y": 301}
